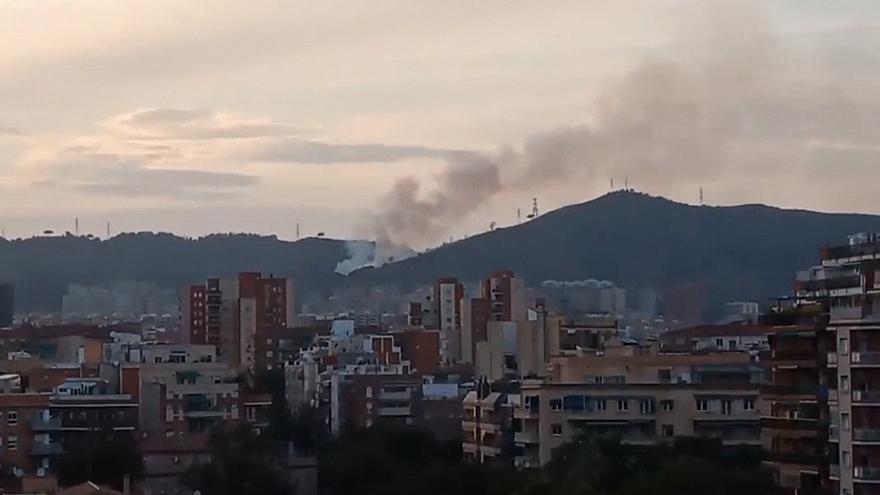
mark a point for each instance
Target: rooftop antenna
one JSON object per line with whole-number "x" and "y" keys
{"x": 492, "y": 225}
{"x": 534, "y": 212}
{"x": 701, "y": 196}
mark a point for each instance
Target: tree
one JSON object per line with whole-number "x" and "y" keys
{"x": 241, "y": 462}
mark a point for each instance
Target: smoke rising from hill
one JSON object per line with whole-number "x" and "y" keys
{"x": 714, "y": 102}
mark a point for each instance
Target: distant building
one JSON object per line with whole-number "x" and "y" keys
{"x": 231, "y": 313}
{"x": 734, "y": 337}
{"x": 448, "y": 293}
{"x": 684, "y": 305}
{"x": 741, "y": 312}
{"x": 7, "y": 305}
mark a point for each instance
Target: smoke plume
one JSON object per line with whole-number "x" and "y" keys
{"x": 716, "y": 102}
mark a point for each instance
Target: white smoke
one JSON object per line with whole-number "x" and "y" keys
{"x": 363, "y": 254}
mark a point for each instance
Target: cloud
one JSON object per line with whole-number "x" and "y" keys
{"x": 194, "y": 124}
{"x": 7, "y": 130}
{"x": 121, "y": 175}
{"x": 300, "y": 151}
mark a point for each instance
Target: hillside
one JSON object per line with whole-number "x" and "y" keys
{"x": 42, "y": 267}
{"x": 741, "y": 252}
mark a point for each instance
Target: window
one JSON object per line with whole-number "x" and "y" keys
{"x": 702, "y": 405}
{"x": 668, "y": 431}
{"x": 573, "y": 403}
{"x": 601, "y": 405}
{"x": 12, "y": 417}
{"x": 844, "y": 421}
{"x": 667, "y": 405}
{"x": 647, "y": 406}
{"x": 533, "y": 403}
{"x": 726, "y": 406}
{"x": 748, "y": 404}
{"x": 843, "y": 346}
{"x": 731, "y": 345}
{"x": 623, "y": 405}
{"x": 556, "y": 429}
{"x": 719, "y": 343}
{"x": 12, "y": 443}
{"x": 844, "y": 383}
{"x": 555, "y": 404}
{"x": 844, "y": 456}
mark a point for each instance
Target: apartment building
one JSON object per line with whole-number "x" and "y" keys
{"x": 640, "y": 395}
{"x": 794, "y": 414}
{"x": 231, "y": 313}
{"x": 847, "y": 283}
{"x": 22, "y": 439}
{"x": 738, "y": 337}
{"x": 487, "y": 426}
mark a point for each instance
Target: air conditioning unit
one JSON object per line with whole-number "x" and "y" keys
{"x": 41, "y": 473}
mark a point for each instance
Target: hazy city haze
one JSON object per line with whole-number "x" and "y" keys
{"x": 416, "y": 121}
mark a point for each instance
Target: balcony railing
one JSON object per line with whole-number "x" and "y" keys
{"x": 46, "y": 449}
{"x": 846, "y": 313}
{"x": 865, "y": 358}
{"x": 394, "y": 411}
{"x": 866, "y": 396}
{"x": 833, "y": 432}
{"x": 525, "y": 437}
{"x": 866, "y": 435}
{"x": 38, "y": 423}
{"x": 866, "y": 473}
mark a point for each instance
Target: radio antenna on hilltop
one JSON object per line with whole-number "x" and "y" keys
{"x": 612, "y": 183}
{"x": 625, "y": 182}
{"x": 701, "y": 196}
{"x": 297, "y": 230}
{"x": 108, "y": 229}
{"x": 518, "y": 215}
{"x": 534, "y": 212}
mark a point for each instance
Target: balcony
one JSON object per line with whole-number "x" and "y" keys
{"x": 832, "y": 359}
{"x": 866, "y": 473}
{"x": 866, "y": 397}
{"x": 467, "y": 425}
{"x": 527, "y": 462}
{"x": 206, "y": 413}
{"x": 799, "y": 458}
{"x": 833, "y": 433}
{"x": 46, "y": 449}
{"x": 866, "y": 359}
{"x": 834, "y": 471}
{"x": 866, "y": 435}
{"x": 832, "y": 395}
{"x": 525, "y": 437}
{"x": 38, "y": 423}
{"x": 396, "y": 396}
{"x": 846, "y": 313}
{"x": 784, "y": 423}
{"x": 395, "y": 411}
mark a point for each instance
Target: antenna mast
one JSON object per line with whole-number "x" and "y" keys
{"x": 108, "y": 229}
{"x": 701, "y": 196}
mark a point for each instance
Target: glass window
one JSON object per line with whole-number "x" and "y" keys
{"x": 12, "y": 417}
{"x": 556, "y": 429}
{"x": 623, "y": 405}
{"x": 843, "y": 346}
{"x": 726, "y": 406}
{"x": 748, "y": 404}
{"x": 844, "y": 383}
{"x": 555, "y": 404}
{"x": 702, "y": 405}
{"x": 12, "y": 443}
{"x": 601, "y": 405}
{"x": 668, "y": 431}
{"x": 667, "y": 405}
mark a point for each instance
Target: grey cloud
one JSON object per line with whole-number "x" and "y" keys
{"x": 107, "y": 173}
{"x": 195, "y": 124}
{"x": 6, "y": 130}
{"x": 300, "y": 151}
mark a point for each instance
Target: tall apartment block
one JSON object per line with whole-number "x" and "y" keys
{"x": 847, "y": 284}
{"x": 506, "y": 294}
{"x": 448, "y": 293}
{"x": 794, "y": 411}
{"x": 230, "y": 313}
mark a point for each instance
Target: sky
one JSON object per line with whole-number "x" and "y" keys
{"x": 420, "y": 120}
